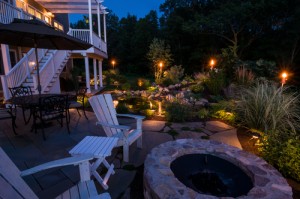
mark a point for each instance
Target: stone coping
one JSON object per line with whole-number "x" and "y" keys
{"x": 160, "y": 182}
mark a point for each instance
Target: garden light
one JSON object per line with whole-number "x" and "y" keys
{"x": 284, "y": 76}
{"x": 113, "y": 62}
{"x": 212, "y": 64}
{"x": 140, "y": 83}
{"x": 160, "y": 65}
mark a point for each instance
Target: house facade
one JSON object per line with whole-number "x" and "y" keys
{"x": 17, "y": 64}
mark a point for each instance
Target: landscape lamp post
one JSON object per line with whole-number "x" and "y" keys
{"x": 212, "y": 64}
{"x": 113, "y": 62}
{"x": 284, "y": 76}
{"x": 160, "y": 69}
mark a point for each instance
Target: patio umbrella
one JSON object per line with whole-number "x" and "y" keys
{"x": 36, "y": 34}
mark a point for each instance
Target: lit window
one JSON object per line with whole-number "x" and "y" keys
{"x": 31, "y": 10}
{"x": 47, "y": 19}
{"x": 38, "y": 15}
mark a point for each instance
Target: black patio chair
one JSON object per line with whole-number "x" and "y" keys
{"x": 52, "y": 108}
{"x": 8, "y": 113}
{"x": 78, "y": 101}
{"x": 19, "y": 92}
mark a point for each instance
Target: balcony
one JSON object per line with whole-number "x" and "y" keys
{"x": 85, "y": 35}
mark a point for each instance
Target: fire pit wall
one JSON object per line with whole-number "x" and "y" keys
{"x": 160, "y": 182}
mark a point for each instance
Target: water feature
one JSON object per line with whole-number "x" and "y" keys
{"x": 141, "y": 105}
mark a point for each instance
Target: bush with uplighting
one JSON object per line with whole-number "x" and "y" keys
{"x": 282, "y": 149}
{"x": 267, "y": 107}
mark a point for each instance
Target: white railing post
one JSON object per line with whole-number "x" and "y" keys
{"x": 27, "y": 65}
{"x": 35, "y": 83}
{"x": 6, "y": 93}
{"x": 90, "y": 21}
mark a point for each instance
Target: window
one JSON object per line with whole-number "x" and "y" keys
{"x": 47, "y": 19}
{"x": 38, "y": 15}
{"x": 31, "y": 10}
{"x": 13, "y": 57}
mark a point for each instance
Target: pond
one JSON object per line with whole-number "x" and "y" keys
{"x": 140, "y": 105}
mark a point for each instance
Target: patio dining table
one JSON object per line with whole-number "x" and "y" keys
{"x": 33, "y": 101}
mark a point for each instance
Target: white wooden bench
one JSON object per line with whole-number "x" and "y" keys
{"x": 12, "y": 185}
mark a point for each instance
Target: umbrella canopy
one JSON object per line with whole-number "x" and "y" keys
{"x": 36, "y": 34}
{"x": 28, "y": 33}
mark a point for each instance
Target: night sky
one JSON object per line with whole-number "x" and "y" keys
{"x": 122, "y": 8}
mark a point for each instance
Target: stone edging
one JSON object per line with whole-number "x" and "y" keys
{"x": 160, "y": 182}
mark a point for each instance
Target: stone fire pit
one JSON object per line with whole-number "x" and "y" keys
{"x": 160, "y": 182}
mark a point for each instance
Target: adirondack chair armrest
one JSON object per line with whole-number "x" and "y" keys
{"x": 137, "y": 117}
{"x": 58, "y": 163}
{"x": 122, "y": 127}
{"x": 126, "y": 130}
{"x": 102, "y": 196}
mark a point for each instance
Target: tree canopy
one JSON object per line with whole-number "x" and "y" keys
{"x": 199, "y": 29}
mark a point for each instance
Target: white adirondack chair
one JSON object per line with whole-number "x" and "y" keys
{"x": 107, "y": 117}
{"x": 13, "y": 186}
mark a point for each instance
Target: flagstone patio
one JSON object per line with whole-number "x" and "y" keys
{"x": 28, "y": 149}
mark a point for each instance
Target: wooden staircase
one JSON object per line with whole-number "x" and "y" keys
{"x": 48, "y": 55}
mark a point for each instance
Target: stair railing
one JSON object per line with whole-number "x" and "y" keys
{"x": 50, "y": 68}
{"x": 23, "y": 69}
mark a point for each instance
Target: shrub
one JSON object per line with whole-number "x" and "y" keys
{"x": 200, "y": 77}
{"x": 121, "y": 108}
{"x": 177, "y": 112}
{"x": 266, "y": 107}
{"x": 282, "y": 152}
{"x": 222, "y": 105}
{"x": 149, "y": 113}
{"x": 215, "y": 82}
{"x": 244, "y": 76}
{"x": 126, "y": 86}
{"x": 174, "y": 74}
{"x": 203, "y": 113}
{"x": 197, "y": 88}
{"x": 289, "y": 161}
{"x": 224, "y": 115}
{"x": 166, "y": 82}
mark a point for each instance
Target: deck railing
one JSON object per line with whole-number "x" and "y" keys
{"x": 24, "y": 11}
{"x": 84, "y": 35}
{"x": 9, "y": 12}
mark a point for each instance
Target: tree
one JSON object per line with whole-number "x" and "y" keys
{"x": 160, "y": 55}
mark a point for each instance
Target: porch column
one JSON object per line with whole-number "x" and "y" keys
{"x": 98, "y": 19}
{"x": 100, "y": 72}
{"x": 90, "y": 21}
{"x": 5, "y": 58}
{"x": 87, "y": 74}
{"x": 104, "y": 25}
{"x": 95, "y": 74}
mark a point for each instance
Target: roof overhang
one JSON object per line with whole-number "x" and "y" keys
{"x": 72, "y": 6}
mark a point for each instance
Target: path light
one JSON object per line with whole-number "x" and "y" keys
{"x": 113, "y": 62}
{"x": 212, "y": 64}
{"x": 159, "y": 108}
{"x": 161, "y": 65}
{"x": 284, "y": 76}
{"x": 140, "y": 83}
